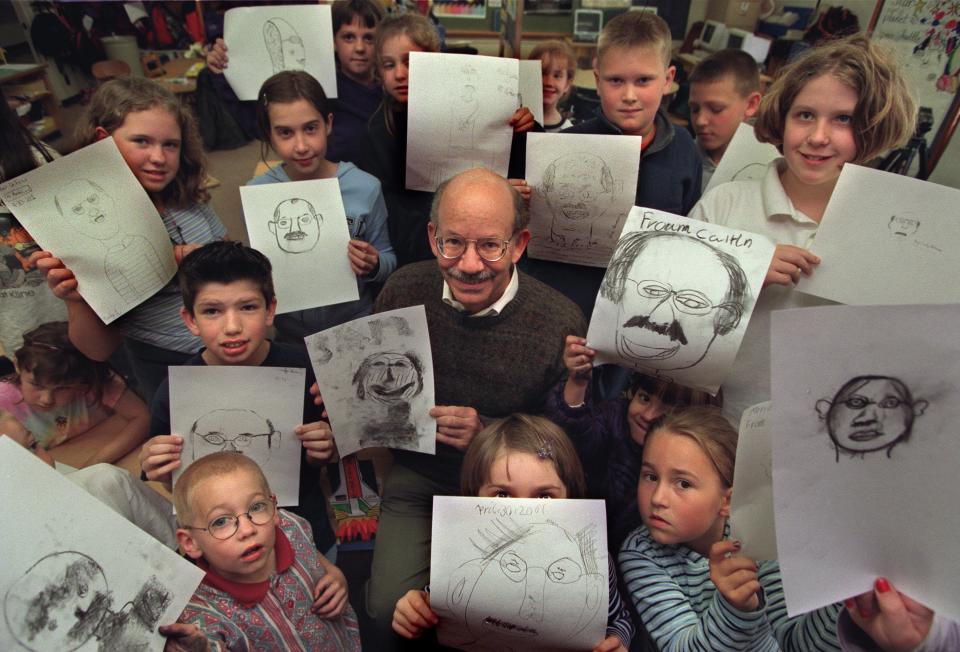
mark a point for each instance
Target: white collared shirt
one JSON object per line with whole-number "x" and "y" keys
{"x": 739, "y": 205}
{"x": 492, "y": 310}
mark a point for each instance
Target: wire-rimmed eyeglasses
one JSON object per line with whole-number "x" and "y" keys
{"x": 224, "y": 527}
{"x": 490, "y": 249}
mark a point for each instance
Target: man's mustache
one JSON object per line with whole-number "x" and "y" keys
{"x": 475, "y": 277}
{"x": 672, "y": 330}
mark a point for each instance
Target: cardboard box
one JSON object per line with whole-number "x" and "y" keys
{"x": 735, "y": 13}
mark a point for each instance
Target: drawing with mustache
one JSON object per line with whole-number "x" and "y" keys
{"x": 675, "y": 295}
{"x": 296, "y": 225}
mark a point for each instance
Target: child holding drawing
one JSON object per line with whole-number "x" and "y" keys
{"x": 158, "y": 139}
{"x": 409, "y": 210}
{"x": 294, "y": 119}
{"x": 690, "y": 586}
{"x": 519, "y": 456}
{"x": 842, "y": 102}
{"x": 228, "y": 301}
{"x": 609, "y": 434}
{"x": 59, "y": 394}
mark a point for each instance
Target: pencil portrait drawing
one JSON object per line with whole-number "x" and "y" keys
{"x": 670, "y": 321}
{"x": 130, "y": 262}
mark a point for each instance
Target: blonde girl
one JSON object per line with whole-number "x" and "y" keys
{"x": 690, "y": 586}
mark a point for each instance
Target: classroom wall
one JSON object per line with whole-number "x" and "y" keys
{"x": 947, "y": 172}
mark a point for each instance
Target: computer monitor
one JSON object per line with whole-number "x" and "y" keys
{"x": 713, "y": 37}
{"x": 587, "y": 24}
{"x": 756, "y": 46}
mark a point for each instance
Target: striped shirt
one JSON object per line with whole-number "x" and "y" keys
{"x": 279, "y": 620}
{"x": 682, "y": 610}
{"x": 157, "y": 320}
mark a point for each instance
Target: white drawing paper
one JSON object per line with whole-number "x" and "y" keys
{"x": 92, "y": 213}
{"x": 745, "y": 158}
{"x": 270, "y": 39}
{"x": 301, "y": 226}
{"x": 75, "y": 574}
{"x": 376, "y": 378}
{"x": 865, "y": 452}
{"x": 751, "y": 507}
{"x": 519, "y": 573}
{"x": 531, "y": 87}
{"x": 887, "y": 239}
{"x": 250, "y": 410}
{"x": 584, "y": 185}
{"x": 677, "y": 296}
{"x": 459, "y": 112}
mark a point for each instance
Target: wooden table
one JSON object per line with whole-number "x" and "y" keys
{"x": 174, "y": 79}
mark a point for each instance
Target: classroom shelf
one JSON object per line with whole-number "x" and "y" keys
{"x": 31, "y": 82}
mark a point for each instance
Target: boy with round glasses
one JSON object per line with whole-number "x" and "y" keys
{"x": 266, "y": 585}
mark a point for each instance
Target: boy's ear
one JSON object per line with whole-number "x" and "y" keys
{"x": 271, "y": 311}
{"x": 188, "y": 544}
{"x": 671, "y": 74}
{"x": 100, "y": 133}
{"x": 753, "y": 104}
{"x": 725, "y": 503}
{"x": 190, "y": 322}
{"x": 329, "y": 124}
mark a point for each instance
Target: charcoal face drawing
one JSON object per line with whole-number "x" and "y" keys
{"x": 296, "y": 225}
{"x": 868, "y": 414}
{"x": 130, "y": 262}
{"x": 63, "y": 601}
{"x": 386, "y": 382}
{"x": 235, "y": 430}
{"x": 579, "y": 188}
{"x": 284, "y": 46}
{"x": 671, "y": 323}
{"x": 538, "y": 577}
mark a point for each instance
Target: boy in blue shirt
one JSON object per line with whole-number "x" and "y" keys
{"x": 633, "y": 72}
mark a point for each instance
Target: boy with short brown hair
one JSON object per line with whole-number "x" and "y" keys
{"x": 266, "y": 586}
{"x": 633, "y": 73}
{"x": 724, "y": 91}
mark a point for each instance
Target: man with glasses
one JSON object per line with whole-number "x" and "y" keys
{"x": 497, "y": 341}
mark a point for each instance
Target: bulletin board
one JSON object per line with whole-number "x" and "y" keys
{"x": 925, "y": 34}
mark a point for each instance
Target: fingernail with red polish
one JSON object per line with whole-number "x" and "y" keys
{"x": 882, "y": 585}
{"x": 848, "y": 603}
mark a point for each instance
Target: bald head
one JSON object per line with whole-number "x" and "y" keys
{"x": 479, "y": 185}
